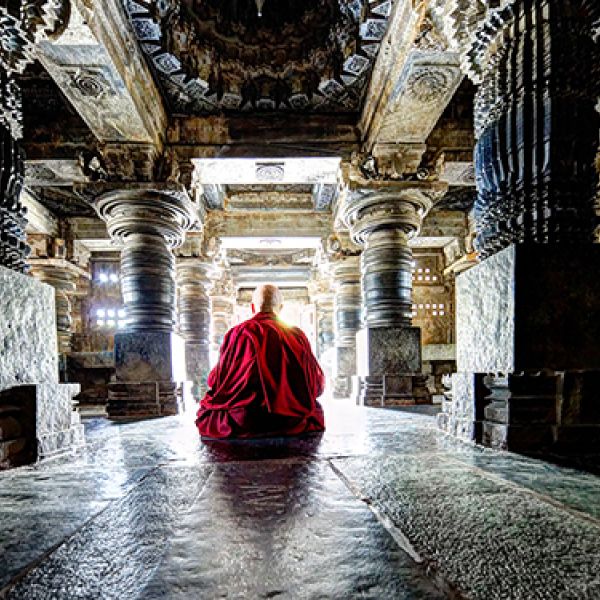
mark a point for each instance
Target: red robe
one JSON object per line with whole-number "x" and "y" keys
{"x": 266, "y": 383}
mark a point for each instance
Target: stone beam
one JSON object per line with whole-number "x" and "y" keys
{"x": 395, "y": 46}
{"x": 263, "y": 135}
{"x": 414, "y": 79}
{"x": 98, "y": 66}
{"x": 239, "y": 224}
{"x": 39, "y": 218}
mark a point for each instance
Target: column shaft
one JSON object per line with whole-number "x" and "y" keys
{"x": 194, "y": 309}
{"x": 148, "y": 283}
{"x": 386, "y": 266}
{"x": 347, "y": 309}
{"x": 536, "y": 126}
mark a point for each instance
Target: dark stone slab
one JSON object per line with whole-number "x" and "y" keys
{"x": 149, "y": 356}
{"x": 530, "y": 307}
{"x": 388, "y": 351}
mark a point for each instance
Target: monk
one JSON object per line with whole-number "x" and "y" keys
{"x": 267, "y": 380}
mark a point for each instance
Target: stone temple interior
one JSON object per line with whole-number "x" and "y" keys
{"x": 419, "y": 177}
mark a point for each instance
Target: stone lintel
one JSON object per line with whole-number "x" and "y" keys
{"x": 39, "y": 218}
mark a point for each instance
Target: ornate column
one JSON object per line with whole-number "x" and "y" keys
{"x": 194, "y": 310}
{"x": 347, "y": 309}
{"x": 382, "y": 218}
{"x": 526, "y": 338}
{"x": 24, "y": 25}
{"x": 536, "y": 123}
{"x": 13, "y": 244}
{"x": 149, "y": 356}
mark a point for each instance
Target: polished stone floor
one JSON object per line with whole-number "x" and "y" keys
{"x": 381, "y": 506}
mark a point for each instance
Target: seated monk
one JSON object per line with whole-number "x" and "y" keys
{"x": 267, "y": 380}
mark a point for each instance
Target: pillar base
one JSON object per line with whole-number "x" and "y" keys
{"x": 131, "y": 400}
{"x": 528, "y": 313}
{"x": 38, "y": 421}
{"x": 390, "y": 390}
{"x": 389, "y": 367}
{"x": 532, "y": 413}
{"x": 150, "y": 375}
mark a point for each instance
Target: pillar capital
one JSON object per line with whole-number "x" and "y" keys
{"x": 147, "y": 224}
{"x": 139, "y": 212}
{"x": 388, "y": 205}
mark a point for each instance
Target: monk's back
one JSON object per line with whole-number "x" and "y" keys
{"x": 266, "y": 382}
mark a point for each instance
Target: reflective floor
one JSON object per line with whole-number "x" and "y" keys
{"x": 380, "y": 506}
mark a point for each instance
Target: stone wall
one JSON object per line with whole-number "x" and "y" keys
{"x": 28, "y": 352}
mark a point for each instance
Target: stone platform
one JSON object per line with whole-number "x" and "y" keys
{"x": 382, "y": 505}
{"x": 37, "y": 417}
{"x": 527, "y": 350}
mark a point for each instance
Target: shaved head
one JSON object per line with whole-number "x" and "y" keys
{"x": 267, "y": 298}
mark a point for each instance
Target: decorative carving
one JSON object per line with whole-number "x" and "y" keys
{"x": 427, "y": 84}
{"x": 91, "y": 82}
{"x": 213, "y": 55}
{"x": 13, "y": 242}
{"x": 534, "y": 168}
{"x": 269, "y": 171}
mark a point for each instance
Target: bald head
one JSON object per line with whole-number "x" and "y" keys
{"x": 267, "y": 298}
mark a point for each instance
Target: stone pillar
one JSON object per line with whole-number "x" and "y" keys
{"x": 63, "y": 276}
{"x": 320, "y": 293}
{"x": 324, "y": 316}
{"x": 13, "y": 243}
{"x": 223, "y": 303}
{"x": 347, "y": 309}
{"x": 194, "y": 320}
{"x": 527, "y": 356}
{"x": 382, "y": 220}
{"x": 149, "y": 356}
{"x": 536, "y": 124}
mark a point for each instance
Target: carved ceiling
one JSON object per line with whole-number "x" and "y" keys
{"x": 212, "y": 56}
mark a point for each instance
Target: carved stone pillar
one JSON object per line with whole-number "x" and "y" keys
{"x": 347, "y": 309}
{"x": 382, "y": 219}
{"x": 13, "y": 244}
{"x": 536, "y": 124}
{"x": 194, "y": 309}
{"x": 527, "y": 354}
{"x": 149, "y": 356}
{"x": 223, "y": 303}
{"x": 63, "y": 276}
{"x": 321, "y": 296}
{"x": 324, "y": 316}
